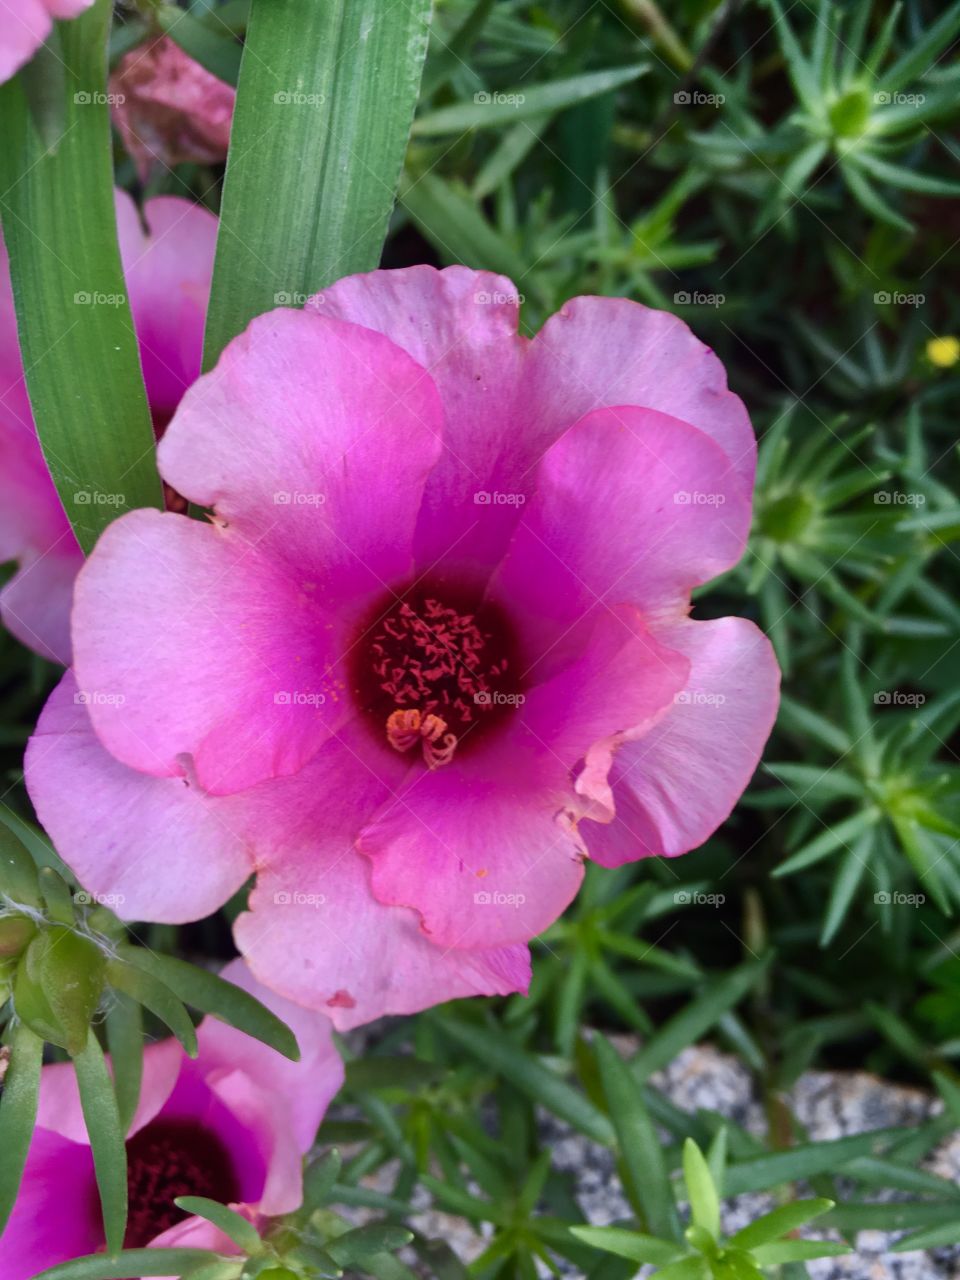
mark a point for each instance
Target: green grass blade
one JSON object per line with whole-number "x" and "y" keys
{"x": 212, "y": 994}
{"x": 640, "y": 1147}
{"x": 76, "y": 334}
{"x": 324, "y": 107}
{"x": 491, "y": 110}
{"x": 139, "y": 1262}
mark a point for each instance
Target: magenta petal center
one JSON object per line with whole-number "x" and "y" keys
{"x": 170, "y": 1158}
{"x": 436, "y": 669}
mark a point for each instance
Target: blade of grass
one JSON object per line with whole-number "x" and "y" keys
{"x": 325, "y": 102}
{"x": 76, "y": 333}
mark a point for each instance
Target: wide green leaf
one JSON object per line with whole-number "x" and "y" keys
{"x": 324, "y": 106}
{"x": 76, "y": 333}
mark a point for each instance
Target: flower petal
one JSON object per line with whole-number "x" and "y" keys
{"x": 314, "y": 930}
{"x": 610, "y": 351}
{"x": 59, "y": 1108}
{"x": 631, "y": 506}
{"x": 35, "y": 603}
{"x": 486, "y": 848}
{"x": 313, "y": 439}
{"x": 460, "y": 325}
{"x": 675, "y": 785}
{"x": 188, "y": 640}
{"x": 507, "y": 399}
{"x": 304, "y": 1088}
{"x": 59, "y": 1187}
{"x": 168, "y": 269}
{"x": 155, "y": 846}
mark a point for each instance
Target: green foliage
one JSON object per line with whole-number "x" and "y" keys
{"x": 64, "y": 960}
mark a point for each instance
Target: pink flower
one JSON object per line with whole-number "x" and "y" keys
{"x": 432, "y": 650}
{"x": 169, "y": 109}
{"x": 25, "y": 25}
{"x": 232, "y": 1124}
{"x": 168, "y": 272}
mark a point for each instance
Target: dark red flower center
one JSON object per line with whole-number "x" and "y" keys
{"x": 436, "y": 671}
{"x": 170, "y": 1158}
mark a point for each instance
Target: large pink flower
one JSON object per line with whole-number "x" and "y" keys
{"x": 232, "y": 1124}
{"x": 169, "y": 109}
{"x": 168, "y": 269}
{"x": 432, "y": 649}
{"x": 25, "y": 24}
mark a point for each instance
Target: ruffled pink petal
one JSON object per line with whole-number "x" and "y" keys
{"x": 675, "y": 785}
{"x": 155, "y": 847}
{"x": 460, "y": 325}
{"x": 188, "y": 640}
{"x": 610, "y": 351}
{"x": 631, "y": 506}
{"x": 486, "y": 848}
{"x": 159, "y": 849}
{"x": 304, "y": 1088}
{"x": 314, "y": 930}
{"x": 198, "y": 1233}
{"x": 507, "y": 400}
{"x": 313, "y": 439}
{"x": 168, "y": 269}
{"x": 55, "y": 1217}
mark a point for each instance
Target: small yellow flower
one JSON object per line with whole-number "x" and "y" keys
{"x": 943, "y": 352}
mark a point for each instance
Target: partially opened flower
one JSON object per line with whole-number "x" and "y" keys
{"x": 432, "y": 649}
{"x": 167, "y": 269}
{"x": 168, "y": 109}
{"x": 26, "y": 24}
{"x": 232, "y": 1124}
